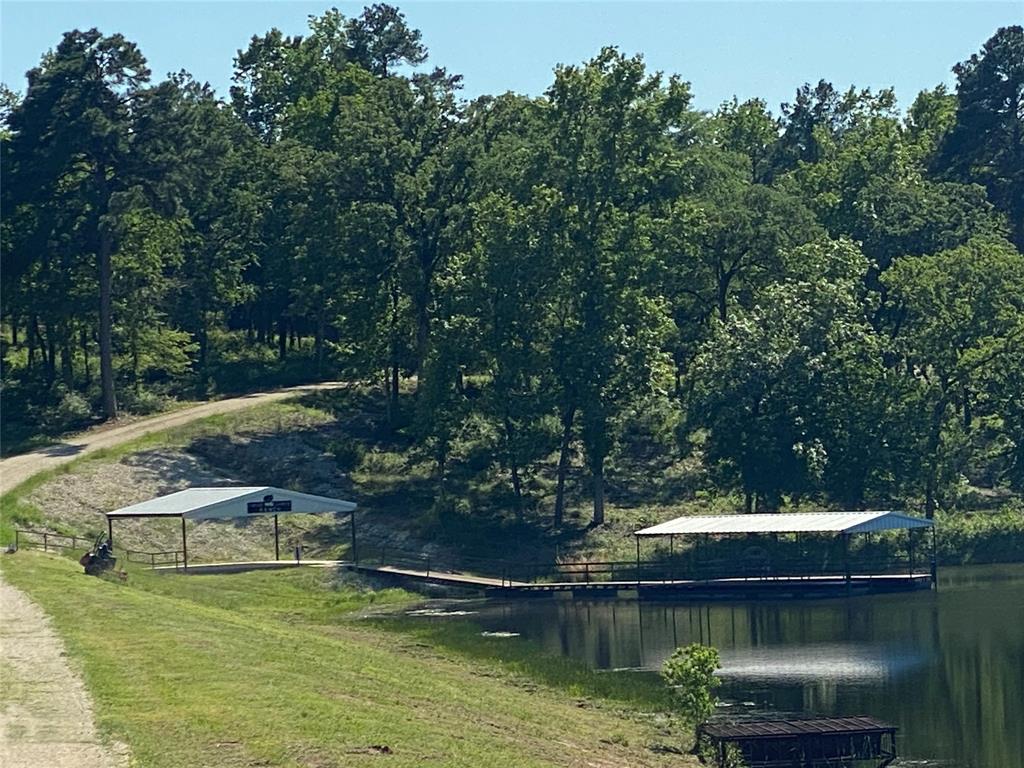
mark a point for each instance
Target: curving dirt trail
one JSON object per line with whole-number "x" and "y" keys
{"x": 15, "y": 470}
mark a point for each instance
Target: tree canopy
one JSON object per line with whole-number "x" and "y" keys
{"x": 822, "y": 302}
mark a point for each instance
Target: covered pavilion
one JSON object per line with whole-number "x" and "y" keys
{"x": 223, "y": 503}
{"x": 844, "y": 524}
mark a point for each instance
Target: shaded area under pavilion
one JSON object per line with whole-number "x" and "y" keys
{"x": 225, "y": 503}
{"x": 755, "y": 527}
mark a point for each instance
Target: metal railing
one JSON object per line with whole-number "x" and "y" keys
{"x": 48, "y": 541}
{"x": 173, "y": 557}
{"x": 56, "y": 542}
{"x": 665, "y": 570}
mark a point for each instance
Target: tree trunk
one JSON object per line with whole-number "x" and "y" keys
{"x": 106, "y": 327}
{"x": 513, "y": 465}
{"x": 32, "y": 332}
{"x": 282, "y": 338}
{"x": 597, "y": 475}
{"x": 67, "y": 371}
{"x": 319, "y": 343}
{"x": 932, "y": 457}
{"x": 203, "y": 340}
{"x": 51, "y": 354}
{"x": 723, "y": 297}
{"x": 568, "y": 417}
{"x": 422, "y": 332}
{"x": 84, "y": 339}
{"x": 14, "y": 329}
{"x": 517, "y": 490}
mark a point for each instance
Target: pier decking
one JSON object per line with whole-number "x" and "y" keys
{"x": 726, "y": 588}
{"x": 806, "y": 742}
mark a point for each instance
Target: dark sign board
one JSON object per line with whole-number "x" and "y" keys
{"x": 268, "y": 506}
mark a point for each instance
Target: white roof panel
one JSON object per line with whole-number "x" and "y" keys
{"x": 822, "y": 522}
{"x": 229, "y": 502}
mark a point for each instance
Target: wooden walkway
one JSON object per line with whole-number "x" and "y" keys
{"x": 735, "y": 588}
{"x": 666, "y": 589}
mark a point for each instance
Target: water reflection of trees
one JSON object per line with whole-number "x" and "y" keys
{"x": 948, "y": 668}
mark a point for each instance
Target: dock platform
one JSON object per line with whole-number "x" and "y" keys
{"x": 665, "y": 589}
{"x": 803, "y": 742}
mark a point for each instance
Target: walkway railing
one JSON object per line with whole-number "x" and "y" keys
{"x": 666, "y": 570}
{"x": 153, "y": 559}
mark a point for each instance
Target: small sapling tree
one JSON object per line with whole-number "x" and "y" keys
{"x": 690, "y": 673}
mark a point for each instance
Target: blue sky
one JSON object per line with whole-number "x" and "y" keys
{"x": 723, "y": 48}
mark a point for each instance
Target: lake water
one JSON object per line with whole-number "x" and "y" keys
{"x": 947, "y": 667}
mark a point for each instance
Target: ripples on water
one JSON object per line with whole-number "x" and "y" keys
{"x": 946, "y": 667}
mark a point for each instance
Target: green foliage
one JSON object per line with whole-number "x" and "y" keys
{"x": 690, "y": 674}
{"x": 819, "y": 306}
{"x": 981, "y": 537}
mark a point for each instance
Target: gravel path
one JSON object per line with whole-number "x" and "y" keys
{"x": 45, "y": 715}
{"x": 17, "y": 469}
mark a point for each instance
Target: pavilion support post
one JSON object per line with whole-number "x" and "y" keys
{"x": 935, "y": 561}
{"x": 110, "y": 532}
{"x": 846, "y": 560}
{"x": 637, "y": 559}
{"x": 355, "y": 551}
{"x": 184, "y": 544}
{"x": 910, "y": 550}
{"x": 277, "y": 541}
{"x": 671, "y": 556}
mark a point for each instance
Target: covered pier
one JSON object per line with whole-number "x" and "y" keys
{"x": 224, "y": 503}
{"x": 756, "y": 561}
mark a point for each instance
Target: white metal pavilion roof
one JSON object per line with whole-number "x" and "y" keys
{"x": 224, "y": 503}
{"x": 802, "y": 522}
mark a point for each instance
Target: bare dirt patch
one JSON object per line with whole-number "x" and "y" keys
{"x": 46, "y": 717}
{"x": 78, "y": 500}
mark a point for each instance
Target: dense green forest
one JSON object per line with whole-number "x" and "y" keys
{"x": 822, "y": 303}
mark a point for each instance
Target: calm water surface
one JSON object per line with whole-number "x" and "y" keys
{"x": 947, "y": 667}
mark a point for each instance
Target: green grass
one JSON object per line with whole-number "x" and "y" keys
{"x": 275, "y": 669}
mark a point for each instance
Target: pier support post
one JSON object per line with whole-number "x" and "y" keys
{"x": 184, "y": 544}
{"x": 355, "y": 552}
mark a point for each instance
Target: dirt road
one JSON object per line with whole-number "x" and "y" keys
{"x": 45, "y": 714}
{"x": 16, "y": 469}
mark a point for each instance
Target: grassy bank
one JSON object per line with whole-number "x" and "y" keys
{"x": 274, "y": 669}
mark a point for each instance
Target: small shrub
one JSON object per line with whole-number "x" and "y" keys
{"x": 144, "y": 401}
{"x": 690, "y": 673}
{"x": 71, "y": 410}
{"x": 348, "y": 454}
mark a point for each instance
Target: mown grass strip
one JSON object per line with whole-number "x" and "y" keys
{"x": 272, "y": 669}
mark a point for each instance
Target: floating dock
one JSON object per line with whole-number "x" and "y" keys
{"x": 807, "y": 742}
